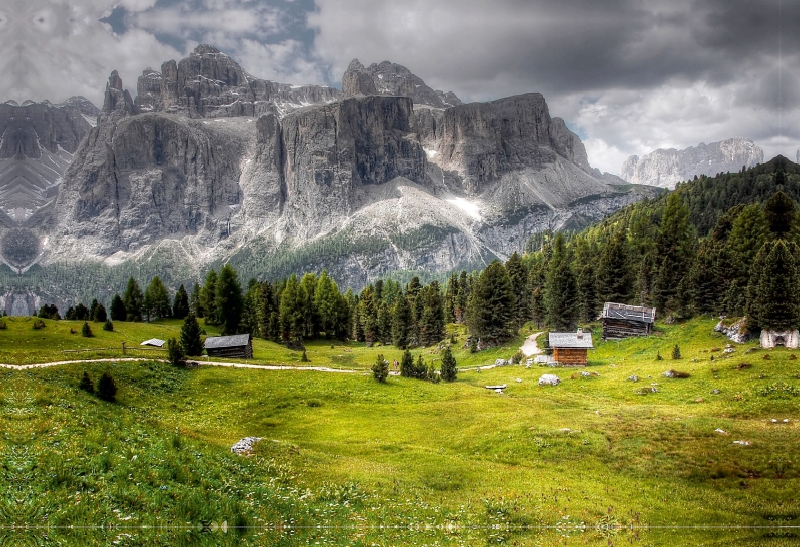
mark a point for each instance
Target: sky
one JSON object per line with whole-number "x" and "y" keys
{"x": 628, "y": 76}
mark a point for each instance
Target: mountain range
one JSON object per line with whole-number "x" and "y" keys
{"x": 210, "y": 164}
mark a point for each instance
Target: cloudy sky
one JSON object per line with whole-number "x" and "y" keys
{"x": 628, "y": 75}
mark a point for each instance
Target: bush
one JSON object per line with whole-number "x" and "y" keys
{"x": 3, "y": 325}
{"x": 517, "y": 358}
{"x": 420, "y": 369}
{"x": 676, "y": 352}
{"x": 86, "y": 383}
{"x": 658, "y": 356}
{"x": 38, "y": 324}
{"x": 433, "y": 375}
{"x": 86, "y": 330}
{"x": 304, "y": 357}
{"x": 473, "y": 345}
{"x": 108, "y": 326}
{"x": 177, "y": 356}
{"x": 407, "y": 365}
{"x": 107, "y": 388}
{"x": 380, "y": 370}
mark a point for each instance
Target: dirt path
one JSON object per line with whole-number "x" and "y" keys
{"x": 530, "y": 347}
{"x": 200, "y": 363}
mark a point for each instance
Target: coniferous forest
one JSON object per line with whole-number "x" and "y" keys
{"x": 724, "y": 245}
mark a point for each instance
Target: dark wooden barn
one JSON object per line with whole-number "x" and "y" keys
{"x": 240, "y": 345}
{"x": 623, "y": 320}
{"x": 571, "y": 349}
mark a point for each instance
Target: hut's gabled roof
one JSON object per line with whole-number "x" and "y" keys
{"x": 625, "y": 312}
{"x": 219, "y": 342}
{"x": 570, "y": 340}
{"x": 154, "y": 342}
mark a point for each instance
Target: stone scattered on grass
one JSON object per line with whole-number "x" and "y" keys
{"x": 720, "y": 431}
{"x": 715, "y": 392}
{"x": 245, "y": 445}
{"x": 632, "y": 378}
{"x": 549, "y": 380}
{"x": 672, "y": 373}
{"x": 743, "y": 443}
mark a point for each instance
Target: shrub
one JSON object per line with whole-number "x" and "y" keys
{"x": 407, "y": 364}
{"x": 380, "y": 370}
{"x": 420, "y": 369}
{"x": 658, "y": 356}
{"x": 38, "y": 324}
{"x": 433, "y": 375}
{"x": 473, "y": 345}
{"x": 177, "y": 356}
{"x": 304, "y": 357}
{"x": 517, "y": 358}
{"x": 108, "y": 326}
{"x": 676, "y": 352}
{"x": 3, "y": 325}
{"x": 86, "y": 383}
{"x": 86, "y": 330}
{"x": 107, "y": 388}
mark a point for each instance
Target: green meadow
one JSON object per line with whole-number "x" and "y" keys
{"x": 599, "y": 458}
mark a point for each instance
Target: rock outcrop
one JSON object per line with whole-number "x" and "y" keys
{"x": 667, "y": 167}
{"x": 209, "y": 84}
{"x": 391, "y": 79}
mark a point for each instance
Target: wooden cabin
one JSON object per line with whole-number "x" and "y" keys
{"x": 571, "y": 349}
{"x": 240, "y": 345}
{"x": 623, "y": 320}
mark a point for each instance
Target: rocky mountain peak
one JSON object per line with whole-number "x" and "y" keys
{"x": 391, "y": 79}
{"x": 667, "y": 167}
{"x": 117, "y": 99}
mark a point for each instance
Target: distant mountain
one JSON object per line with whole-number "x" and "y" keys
{"x": 208, "y": 165}
{"x": 391, "y": 79}
{"x": 667, "y": 167}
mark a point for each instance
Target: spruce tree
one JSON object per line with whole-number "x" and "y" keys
{"x": 450, "y": 299}
{"x": 228, "y": 300}
{"x": 420, "y": 368}
{"x": 100, "y": 315}
{"x": 674, "y": 248}
{"x": 180, "y": 306}
{"x": 195, "y": 303}
{"x": 368, "y": 314}
{"x": 380, "y": 370}
{"x": 407, "y": 365}
{"x": 291, "y": 318}
{"x": 86, "y": 330}
{"x": 118, "y": 312}
{"x": 190, "y": 336}
{"x": 614, "y": 281}
{"x": 491, "y": 306}
{"x": 449, "y": 370}
{"x": 432, "y": 318}
{"x": 561, "y": 294}
{"x": 588, "y": 302}
{"x": 401, "y": 323}
{"x": 133, "y": 300}
{"x": 93, "y": 309}
{"x": 779, "y": 212}
{"x": 311, "y": 328}
{"x": 86, "y": 383}
{"x": 460, "y": 309}
{"x": 776, "y": 303}
{"x": 325, "y": 302}
{"x": 176, "y": 353}
{"x": 208, "y": 299}
{"x": 156, "y": 300}
{"x": 107, "y": 388}
{"x": 266, "y": 311}
{"x": 518, "y": 275}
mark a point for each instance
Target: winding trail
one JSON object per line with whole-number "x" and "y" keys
{"x": 194, "y": 363}
{"x": 530, "y": 347}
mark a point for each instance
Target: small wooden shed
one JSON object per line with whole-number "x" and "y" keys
{"x": 623, "y": 320}
{"x": 240, "y": 345}
{"x": 571, "y": 348}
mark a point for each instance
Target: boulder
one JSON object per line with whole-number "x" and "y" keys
{"x": 549, "y": 380}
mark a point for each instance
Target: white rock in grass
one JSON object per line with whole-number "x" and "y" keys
{"x": 743, "y": 443}
{"x": 245, "y": 445}
{"x": 720, "y": 431}
{"x": 549, "y": 380}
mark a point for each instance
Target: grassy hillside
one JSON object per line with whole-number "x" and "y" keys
{"x": 340, "y": 449}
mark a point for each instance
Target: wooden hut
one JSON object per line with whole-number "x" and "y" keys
{"x": 571, "y": 348}
{"x": 240, "y": 345}
{"x": 623, "y": 320}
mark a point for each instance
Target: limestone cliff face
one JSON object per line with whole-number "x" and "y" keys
{"x": 139, "y": 178}
{"x": 667, "y": 167}
{"x": 391, "y": 79}
{"x": 209, "y": 84}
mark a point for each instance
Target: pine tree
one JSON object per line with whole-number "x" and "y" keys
{"x": 176, "y": 353}
{"x": 407, "y": 365}
{"x": 325, "y": 302}
{"x": 431, "y": 325}
{"x": 368, "y": 314}
{"x": 776, "y": 303}
{"x": 450, "y": 297}
{"x": 100, "y": 315}
{"x": 228, "y": 300}
{"x": 118, "y": 312}
{"x": 536, "y": 281}
{"x": 156, "y": 300}
{"x": 133, "y": 300}
{"x": 208, "y": 299}
{"x": 108, "y": 326}
{"x": 519, "y": 286}
{"x": 460, "y": 309}
{"x": 780, "y": 211}
{"x": 107, "y": 388}
{"x": 291, "y": 318}
{"x": 190, "y": 336}
{"x": 311, "y": 328}
{"x": 86, "y": 330}
{"x": 195, "y": 304}
{"x": 613, "y": 273}
{"x": 491, "y": 306}
{"x": 180, "y": 306}
{"x": 93, "y": 309}
{"x": 676, "y": 352}
{"x": 86, "y": 383}
{"x": 561, "y": 295}
{"x": 380, "y": 370}
{"x": 588, "y": 302}
{"x": 384, "y": 324}
{"x": 449, "y": 370}
{"x": 674, "y": 247}
{"x": 401, "y": 323}
{"x": 420, "y": 369}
